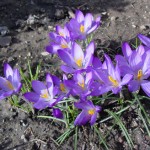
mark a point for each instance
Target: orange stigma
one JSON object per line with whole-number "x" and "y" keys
{"x": 114, "y": 82}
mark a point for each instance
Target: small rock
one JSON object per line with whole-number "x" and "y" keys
{"x": 32, "y": 19}
{"x": 23, "y": 138}
{"x": 44, "y": 53}
{"x": 4, "y": 30}
{"x": 134, "y": 26}
{"x": 5, "y": 41}
{"x": 113, "y": 18}
{"x": 144, "y": 27}
{"x": 59, "y": 14}
{"x": 104, "y": 13}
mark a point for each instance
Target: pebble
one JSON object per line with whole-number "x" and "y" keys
{"x": 44, "y": 53}
{"x": 59, "y": 14}
{"x": 4, "y": 30}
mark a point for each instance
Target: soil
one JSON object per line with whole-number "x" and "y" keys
{"x": 24, "y": 28}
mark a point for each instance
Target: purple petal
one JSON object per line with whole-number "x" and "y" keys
{"x": 88, "y": 21}
{"x": 93, "y": 118}
{"x": 8, "y": 70}
{"x": 57, "y": 113}
{"x": 146, "y": 87}
{"x": 89, "y": 77}
{"x": 82, "y": 118}
{"x": 67, "y": 69}
{"x": 66, "y": 57}
{"x": 126, "y": 79}
{"x": 121, "y": 60}
{"x": 135, "y": 61}
{"x": 95, "y": 25}
{"x": 126, "y": 50}
{"x": 146, "y": 62}
{"x": 144, "y": 40}
{"x": 40, "y": 104}
{"x": 4, "y": 84}
{"x": 50, "y": 86}
{"x": 110, "y": 66}
{"x": 140, "y": 50}
{"x": 38, "y": 86}
{"x": 134, "y": 85}
{"x": 32, "y": 97}
{"x": 77, "y": 52}
{"x": 16, "y": 80}
{"x": 79, "y": 16}
{"x": 96, "y": 62}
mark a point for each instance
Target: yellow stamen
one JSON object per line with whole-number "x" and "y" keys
{"x": 81, "y": 84}
{"x": 61, "y": 34}
{"x": 9, "y": 85}
{"x": 62, "y": 87}
{"x": 91, "y": 111}
{"x": 82, "y": 29}
{"x": 115, "y": 82}
{"x": 44, "y": 95}
{"x": 79, "y": 62}
{"x": 64, "y": 45}
{"x": 140, "y": 74}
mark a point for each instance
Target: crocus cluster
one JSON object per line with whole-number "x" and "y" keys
{"x": 84, "y": 75}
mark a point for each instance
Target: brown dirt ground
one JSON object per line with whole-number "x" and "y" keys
{"x": 122, "y": 20}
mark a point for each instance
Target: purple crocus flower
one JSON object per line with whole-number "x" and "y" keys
{"x": 57, "y": 113}
{"x": 138, "y": 65}
{"x": 77, "y": 60}
{"x": 89, "y": 112}
{"x": 145, "y": 40}
{"x": 11, "y": 83}
{"x": 123, "y": 61}
{"x": 64, "y": 86}
{"x": 59, "y": 40}
{"x": 82, "y": 84}
{"x": 43, "y": 95}
{"x": 111, "y": 79}
{"x": 81, "y": 25}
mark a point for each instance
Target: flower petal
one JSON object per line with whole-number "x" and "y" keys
{"x": 126, "y": 50}
{"x": 134, "y": 85}
{"x": 8, "y": 71}
{"x": 66, "y": 57}
{"x": 38, "y": 86}
{"x": 93, "y": 118}
{"x": 88, "y": 21}
{"x": 32, "y": 97}
{"x": 67, "y": 69}
{"x": 126, "y": 79}
{"x": 79, "y": 16}
{"x": 57, "y": 113}
{"x": 82, "y": 118}
{"x": 146, "y": 87}
{"x": 144, "y": 40}
{"x": 77, "y": 52}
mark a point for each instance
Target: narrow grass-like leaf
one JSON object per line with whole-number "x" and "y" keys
{"x": 50, "y": 117}
{"x": 101, "y": 137}
{"x": 122, "y": 127}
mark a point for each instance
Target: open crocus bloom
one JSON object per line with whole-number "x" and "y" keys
{"x": 111, "y": 78}
{"x": 82, "y": 85}
{"x": 77, "y": 60}
{"x": 81, "y": 25}
{"x": 138, "y": 65}
{"x": 59, "y": 40}
{"x": 43, "y": 95}
{"x": 89, "y": 112}
{"x": 11, "y": 83}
